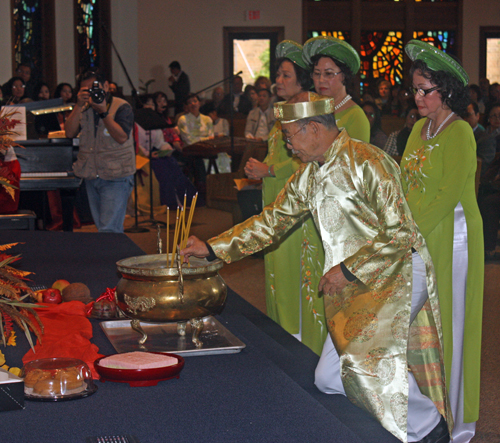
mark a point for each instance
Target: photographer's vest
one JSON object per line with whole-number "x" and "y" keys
{"x": 99, "y": 154}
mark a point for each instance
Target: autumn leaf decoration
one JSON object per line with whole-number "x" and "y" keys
{"x": 13, "y": 290}
{"x": 7, "y": 125}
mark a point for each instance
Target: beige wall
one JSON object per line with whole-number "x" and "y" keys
{"x": 125, "y": 37}
{"x": 477, "y": 13}
{"x": 5, "y": 43}
{"x": 65, "y": 43}
{"x": 190, "y": 31}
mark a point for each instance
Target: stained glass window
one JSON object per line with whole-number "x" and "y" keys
{"x": 87, "y": 34}
{"x": 381, "y": 56}
{"x": 444, "y": 40}
{"x": 28, "y": 35}
{"x": 337, "y": 34}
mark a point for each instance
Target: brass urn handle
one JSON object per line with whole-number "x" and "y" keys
{"x": 181, "y": 278}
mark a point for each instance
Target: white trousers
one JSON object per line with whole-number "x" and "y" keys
{"x": 462, "y": 432}
{"x": 423, "y": 415}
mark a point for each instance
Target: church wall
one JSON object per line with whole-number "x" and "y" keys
{"x": 125, "y": 35}
{"x": 65, "y": 44}
{"x": 191, "y": 32}
{"x": 5, "y": 43}
{"x": 477, "y": 13}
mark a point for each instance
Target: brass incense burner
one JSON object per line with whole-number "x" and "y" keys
{"x": 152, "y": 291}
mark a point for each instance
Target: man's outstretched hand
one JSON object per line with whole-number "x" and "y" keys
{"x": 196, "y": 247}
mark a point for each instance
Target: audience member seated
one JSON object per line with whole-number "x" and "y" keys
{"x": 251, "y": 94}
{"x": 261, "y": 119}
{"x": 13, "y": 91}
{"x": 64, "y": 91}
{"x": 45, "y": 123}
{"x": 396, "y": 142}
{"x": 195, "y": 127}
{"x": 493, "y": 124}
{"x": 383, "y": 101}
{"x": 240, "y": 103}
{"x": 476, "y": 97}
{"x": 484, "y": 86}
{"x": 367, "y": 97}
{"x": 262, "y": 82}
{"x": 169, "y": 183}
{"x": 24, "y": 71}
{"x": 217, "y": 97}
{"x": 221, "y": 125}
{"x": 170, "y": 133}
{"x": 114, "y": 90}
{"x": 486, "y": 144}
{"x": 402, "y": 103}
{"x": 494, "y": 96}
{"x": 41, "y": 92}
{"x": 378, "y": 137}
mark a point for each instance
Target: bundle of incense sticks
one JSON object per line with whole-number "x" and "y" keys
{"x": 182, "y": 228}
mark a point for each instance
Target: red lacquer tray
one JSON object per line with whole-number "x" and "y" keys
{"x": 140, "y": 377}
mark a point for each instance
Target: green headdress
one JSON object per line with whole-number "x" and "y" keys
{"x": 292, "y": 51}
{"x": 436, "y": 60}
{"x": 332, "y": 47}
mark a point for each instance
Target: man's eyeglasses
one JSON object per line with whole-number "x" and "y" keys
{"x": 494, "y": 116}
{"x": 423, "y": 92}
{"x": 328, "y": 75}
{"x": 288, "y": 140}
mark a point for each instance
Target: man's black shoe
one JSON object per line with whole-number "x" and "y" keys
{"x": 439, "y": 434}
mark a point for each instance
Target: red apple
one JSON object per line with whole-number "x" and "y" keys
{"x": 60, "y": 284}
{"x": 52, "y": 295}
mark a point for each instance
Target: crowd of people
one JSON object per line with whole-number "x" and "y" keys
{"x": 361, "y": 255}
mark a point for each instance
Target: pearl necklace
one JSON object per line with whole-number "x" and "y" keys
{"x": 429, "y": 136}
{"x": 343, "y": 102}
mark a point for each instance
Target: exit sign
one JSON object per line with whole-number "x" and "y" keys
{"x": 253, "y": 15}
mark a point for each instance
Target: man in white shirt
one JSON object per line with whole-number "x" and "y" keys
{"x": 261, "y": 119}
{"x": 195, "y": 127}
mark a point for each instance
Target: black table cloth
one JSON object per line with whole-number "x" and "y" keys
{"x": 263, "y": 394}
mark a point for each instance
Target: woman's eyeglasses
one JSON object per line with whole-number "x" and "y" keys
{"x": 328, "y": 75}
{"x": 423, "y": 92}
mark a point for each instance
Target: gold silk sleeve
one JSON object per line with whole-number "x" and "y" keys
{"x": 263, "y": 230}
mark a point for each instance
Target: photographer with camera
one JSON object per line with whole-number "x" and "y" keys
{"x": 106, "y": 157}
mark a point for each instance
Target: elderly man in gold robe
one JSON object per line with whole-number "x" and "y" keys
{"x": 385, "y": 344}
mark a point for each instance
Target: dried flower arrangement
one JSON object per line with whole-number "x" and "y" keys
{"x": 7, "y": 125}
{"x": 13, "y": 290}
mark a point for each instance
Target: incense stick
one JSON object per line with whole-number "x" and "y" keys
{"x": 175, "y": 237}
{"x": 190, "y": 219}
{"x": 168, "y": 232}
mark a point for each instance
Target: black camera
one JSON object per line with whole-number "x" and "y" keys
{"x": 98, "y": 95}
